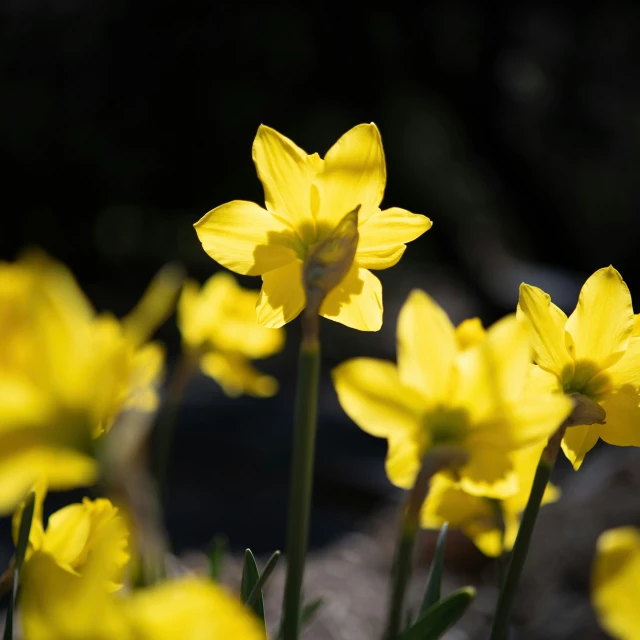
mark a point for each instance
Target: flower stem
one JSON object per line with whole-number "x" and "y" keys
{"x": 525, "y": 532}
{"x": 301, "y": 483}
{"x": 406, "y": 540}
{"x": 165, "y": 426}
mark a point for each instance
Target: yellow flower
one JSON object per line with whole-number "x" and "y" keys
{"x": 615, "y": 583}
{"x": 593, "y": 353}
{"x": 65, "y": 375}
{"x": 447, "y": 396}
{"x": 480, "y": 519}
{"x": 218, "y": 325}
{"x": 307, "y": 199}
{"x": 73, "y": 532}
{"x": 63, "y": 602}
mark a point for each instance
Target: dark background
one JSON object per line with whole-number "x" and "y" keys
{"x": 515, "y": 128}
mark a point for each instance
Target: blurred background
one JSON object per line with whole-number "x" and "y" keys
{"x": 516, "y": 129}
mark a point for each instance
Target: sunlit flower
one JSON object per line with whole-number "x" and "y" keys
{"x": 218, "y": 325}
{"x": 61, "y": 604}
{"x": 74, "y": 532}
{"x": 594, "y": 353}
{"x": 463, "y": 393}
{"x": 482, "y": 519}
{"x": 307, "y": 199}
{"x": 65, "y": 375}
{"x": 615, "y": 587}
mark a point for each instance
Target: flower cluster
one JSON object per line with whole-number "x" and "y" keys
{"x": 473, "y": 418}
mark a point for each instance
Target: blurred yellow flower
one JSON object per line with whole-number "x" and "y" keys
{"x": 73, "y": 532}
{"x": 615, "y": 582}
{"x": 65, "y": 375}
{"x": 594, "y": 353}
{"x": 463, "y": 393}
{"x": 63, "y": 603}
{"x": 218, "y": 325}
{"x": 481, "y": 519}
{"x": 309, "y": 201}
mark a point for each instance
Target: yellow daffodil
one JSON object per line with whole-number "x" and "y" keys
{"x": 309, "y": 201}
{"x": 73, "y": 532}
{"x": 61, "y": 604}
{"x": 65, "y": 375}
{"x": 593, "y": 353}
{"x": 449, "y": 392}
{"x": 218, "y": 326}
{"x": 481, "y": 519}
{"x": 615, "y": 583}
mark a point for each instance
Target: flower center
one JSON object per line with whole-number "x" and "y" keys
{"x": 445, "y": 426}
{"x": 587, "y": 379}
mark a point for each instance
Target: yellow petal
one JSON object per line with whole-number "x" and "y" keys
{"x": 602, "y": 323}
{"x": 470, "y": 333}
{"x": 373, "y": 396}
{"x": 625, "y": 372}
{"x": 546, "y": 325}
{"x": 246, "y": 239}
{"x": 354, "y": 173}
{"x": 384, "y": 235}
{"x": 426, "y": 346}
{"x": 235, "y": 374}
{"x": 282, "y": 296}
{"x": 404, "y": 456}
{"x": 190, "y": 608}
{"x": 614, "y": 582}
{"x": 578, "y": 441}
{"x": 622, "y": 422}
{"x": 66, "y": 534}
{"x": 286, "y": 176}
{"x": 36, "y": 534}
{"x": 636, "y": 325}
{"x": 356, "y": 302}
{"x": 489, "y": 473}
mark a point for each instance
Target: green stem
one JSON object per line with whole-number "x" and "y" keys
{"x": 165, "y": 427}
{"x": 406, "y": 540}
{"x": 525, "y": 532}
{"x": 304, "y": 436}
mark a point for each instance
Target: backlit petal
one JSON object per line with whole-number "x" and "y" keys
{"x": 625, "y": 372}
{"x": 356, "y": 302}
{"x": 236, "y": 375}
{"x": 546, "y": 325}
{"x": 66, "y": 534}
{"x": 245, "y": 238}
{"x": 614, "y": 582}
{"x": 622, "y": 427}
{"x": 354, "y": 173}
{"x": 403, "y": 460}
{"x": 578, "y": 441}
{"x": 384, "y": 234}
{"x": 286, "y": 177}
{"x": 470, "y": 333}
{"x": 373, "y": 396}
{"x": 426, "y": 346}
{"x": 489, "y": 473}
{"x": 602, "y": 323}
{"x": 282, "y": 296}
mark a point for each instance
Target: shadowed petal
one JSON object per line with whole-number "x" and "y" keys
{"x": 356, "y": 302}
{"x": 578, "y": 441}
{"x": 622, "y": 427}
{"x": 281, "y": 298}
{"x": 384, "y": 235}
{"x": 246, "y": 238}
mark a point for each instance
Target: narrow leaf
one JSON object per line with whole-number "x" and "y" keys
{"x": 216, "y": 557}
{"x": 432, "y": 624}
{"x": 250, "y": 577}
{"x": 21, "y": 550}
{"x": 309, "y": 611}
{"x": 434, "y": 579}
{"x": 264, "y": 576}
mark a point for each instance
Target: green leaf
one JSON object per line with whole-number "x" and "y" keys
{"x": 309, "y": 611}
{"x": 21, "y": 550}
{"x": 216, "y": 557}
{"x": 250, "y": 577}
{"x": 440, "y": 617}
{"x": 434, "y": 579}
{"x": 262, "y": 580}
